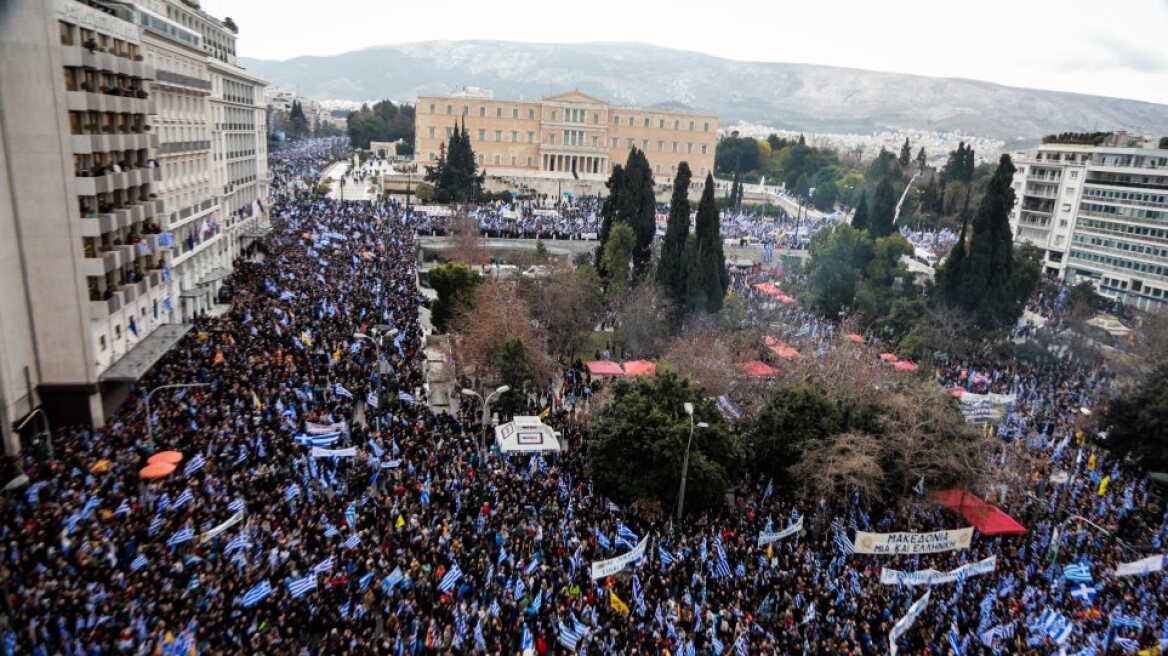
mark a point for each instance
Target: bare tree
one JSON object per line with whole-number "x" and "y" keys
{"x": 466, "y": 241}
{"x": 565, "y": 303}
{"x": 705, "y": 355}
{"x": 832, "y": 468}
{"x": 643, "y": 326}
{"x": 499, "y": 315}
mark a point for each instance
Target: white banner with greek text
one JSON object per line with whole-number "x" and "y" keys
{"x": 933, "y": 577}
{"x": 913, "y": 543}
{"x": 767, "y": 537}
{"x": 603, "y": 568}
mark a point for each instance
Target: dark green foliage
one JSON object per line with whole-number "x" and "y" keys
{"x": 860, "y": 219}
{"x": 986, "y": 277}
{"x": 931, "y": 198}
{"x": 1082, "y": 138}
{"x": 610, "y": 209}
{"x": 960, "y": 164}
{"x": 736, "y": 190}
{"x": 672, "y": 267}
{"x": 736, "y": 153}
{"x": 1137, "y": 422}
{"x": 884, "y": 279}
{"x": 455, "y": 174}
{"x": 638, "y": 443}
{"x": 708, "y": 277}
{"x": 455, "y": 284}
{"x": 883, "y": 210}
{"x": 905, "y": 155}
{"x": 825, "y": 196}
{"x": 922, "y": 159}
{"x": 795, "y": 414}
{"x": 638, "y": 206}
{"x": 385, "y": 121}
{"x": 838, "y": 258}
{"x": 298, "y": 122}
{"x": 1163, "y": 143}
{"x": 513, "y": 365}
{"x": 618, "y": 252}
{"x": 886, "y": 165}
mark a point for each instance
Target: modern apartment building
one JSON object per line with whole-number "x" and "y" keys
{"x": 565, "y": 134}
{"x": 108, "y": 208}
{"x": 1099, "y": 210}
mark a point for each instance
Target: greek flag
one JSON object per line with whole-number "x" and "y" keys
{"x": 1078, "y": 572}
{"x": 138, "y": 563}
{"x": 257, "y": 594}
{"x": 452, "y": 577}
{"x": 235, "y": 506}
{"x": 536, "y": 604}
{"x": 183, "y": 499}
{"x": 395, "y": 577}
{"x": 89, "y": 507}
{"x": 239, "y": 542}
{"x": 519, "y": 589}
{"x": 532, "y": 564}
{"x": 526, "y": 642}
{"x": 666, "y": 557}
{"x": 603, "y": 540}
{"x": 1126, "y": 622}
{"x": 327, "y": 439}
{"x": 302, "y": 586}
{"x": 164, "y": 502}
{"x": 479, "y": 638}
{"x": 1127, "y": 644}
{"x": 185, "y": 535}
{"x": 843, "y": 543}
{"x": 624, "y": 532}
{"x": 123, "y": 509}
{"x": 351, "y": 514}
{"x": 715, "y": 644}
{"x": 1084, "y": 592}
{"x": 330, "y": 531}
{"x": 919, "y": 488}
{"x": 196, "y": 463}
{"x": 406, "y": 397}
{"x": 570, "y": 636}
{"x": 377, "y": 450}
{"x": 352, "y": 542}
{"x": 365, "y": 581}
{"x": 371, "y": 399}
{"x": 340, "y": 390}
{"x": 292, "y": 492}
{"x": 954, "y": 640}
{"x": 324, "y": 566}
{"x": 155, "y": 524}
{"x": 740, "y": 645}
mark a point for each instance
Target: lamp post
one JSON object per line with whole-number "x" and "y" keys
{"x": 379, "y": 332}
{"x": 689, "y": 409}
{"x": 149, "y": 417}
{"x": 486, "y": 405}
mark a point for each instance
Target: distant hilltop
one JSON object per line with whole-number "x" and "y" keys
{"x": 786, "y": 96}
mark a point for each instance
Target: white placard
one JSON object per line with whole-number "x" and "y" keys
{"x": 933, "y": 577}
{"x": 1141, "y": 566}
{"x": 231, "y": 521}
{"x": 767, "y": 537}
{"x": 603, "y": 568}
{"x": 913, "y": 543}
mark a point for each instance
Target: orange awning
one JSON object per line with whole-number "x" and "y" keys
{"x": 170, "y": 457}
{"x": 157, "y": 470}
{"x": 757, "y": 369}
{"x": 905, "y": 365}
{"x": 888, "y": 357}
{"x": 854, "y": 338}
{"x": 986, "y": 518}
{"x": 640, "y": 368}
{"x": 605, "y": 368}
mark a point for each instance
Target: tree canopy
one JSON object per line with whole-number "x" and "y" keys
{"x": 1137, "y": 421}
{"x": 384, "y": 121}
{"x": 708, "y": 276}
{"x": 455, "y": 174}
{"x": 639, "y": 439}
{"x": 455, "y": 284}
{"x": 671, "y": 267}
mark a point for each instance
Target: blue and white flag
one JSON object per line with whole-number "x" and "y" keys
{"x": 526, "y": 642}
{"x": 450, "y": 579}
{"x": 340, "y": 391}
{"x": 351, "y": 514}
{"x": 155, "y": 524}
{"x": 352, "y": 542}
{"x": 239, "y": 542}
{"x": 371, "y": 399}
{"x": 138, "y": 563}
{"x": 1084, "y": 592}
{"x": 257, "y": 594}
{"x": 325, "y": 566}
{"x": 123, "y": 509}
{"x": 532, "y": 564}
{"x": 405, "y": 397}
{"x": 570, "y": 636}
{"x": 1078, "y": 572}
{"x": 327, "y": 439}
{"x": 196, "y": 463}
{"x": 302, "y": 586}
{"x": 236, "y": 505}
{"x": 292, "y": 492}
{"x": 184, "y": 535}
{"x": 183, "y": 499}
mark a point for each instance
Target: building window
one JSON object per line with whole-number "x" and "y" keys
{"x": 514, "y": 112}
{"x": 529, "y": 161}
{"x": 689, "y": 148}
{"x": 631, "y": 121}
{"x": 431, "y": 131}
{"x": 596, "y": 118}
{"x": 530, "y": 137}
{"x": 661, "y": 123}
{"x": 482, "y": 134}
{"x": 498, "y": 135}
{"x": 615, "y": 119}
{"x": 552, "y": 139}
{"x": 691, "y": 126}
{"x": 449, "y": 131}
{"x": 676, "y": 124}
{"x": 672, "y": 169}
{"x": 498, "y": 112}
{"x": 431, "y": 108}
{"x": 481, "y": 158}
{"x": 657, "y": 169}
{"x": 531, "y": 114}
{"x": 646, "y": 121}
{"x": 632, "y": 144}
{"x": 615, "y": 142}
{"x": 596, "y": 142}
{"x": 496, "y": 160}
{"x": 675, "y": 146}
{"x": 706, "y": 126}
{"x": 101, "y": 343}
{"x": 450, "y": 109}
{"x": 1074, "y": 175}
{"x": 512, "y": 160}
{"x": 515, "y": 136}
{"x": 644, "y": 144}
{"x": 553, "y": 114}
{"x": 482, "y": 112}
{"x": 704, "y": 149}
{"x": 465, "y": 110}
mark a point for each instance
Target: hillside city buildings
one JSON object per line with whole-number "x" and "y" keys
{"x": 565, "y": 135}
{"x": 134, "y": 164}
{"x": 1100, "y": 214}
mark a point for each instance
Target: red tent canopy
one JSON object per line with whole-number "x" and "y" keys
{"x": 853, "y": 337}
{"x": 780, "y": 348}
{"x": 640, "y": 368}
{"x": 990, "y": 520}
{"x": 770, "y": 289}
{"x": 904, "y": 365}
{"x": 605, "y": 368}
{"x": 757, "y": 369}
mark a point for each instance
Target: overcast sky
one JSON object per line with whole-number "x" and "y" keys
{"x": 1116, "y": 48}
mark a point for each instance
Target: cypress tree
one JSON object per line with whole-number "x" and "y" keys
{"x": 708, "y": 277}
{"x": 922, "y": 159}
{"x": 608, "y": 210}
{"x": 638, "y": 207}
{"x": 671, "y": 269}
{"x": 860, "y": 218}
{"x": 883, "y": 210}
{"x": 905, "y": 155}
{"x": 981, "y": 279}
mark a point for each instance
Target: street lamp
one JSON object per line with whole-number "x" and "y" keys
{"x": 149, "y": 417}
{"x": 379, "y": 331}
{"x": 486, "y": 403}
{"x": 689, "y": 409}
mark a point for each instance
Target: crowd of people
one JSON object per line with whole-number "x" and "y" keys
{"x": 322, "y": 507}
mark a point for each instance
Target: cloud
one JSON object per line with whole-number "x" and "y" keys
{"x": 1116, "y": 52}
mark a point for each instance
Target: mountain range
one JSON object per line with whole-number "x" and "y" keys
{"x": 781, "y": 95}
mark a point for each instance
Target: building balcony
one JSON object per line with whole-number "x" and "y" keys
{"x": 558, "y": 149}
{"x": 90, "y": 101}
{"x": 84, "y": 144}
{"x": 113, "y": 181}
{"x": 101, "y": 263}
{"x": 97, "y": 225}
{"x": 104, "y": 308}
{"x": 80, "y": 57}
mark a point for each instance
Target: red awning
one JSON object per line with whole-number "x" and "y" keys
{"x": 757, "y": 369}
{"x": 990, "y": 520}
{"x": 781, "y": 348}
{"x": 605, "y": 368}
{"x": 640, "y": 368}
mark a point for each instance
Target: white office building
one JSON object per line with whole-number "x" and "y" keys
{"x": 1100, "y": 213}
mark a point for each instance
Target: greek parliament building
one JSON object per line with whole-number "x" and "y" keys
{"x": 132, "y": 162}
{"x": 1099, "y": 212}
{"x": 564, "y": 133}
